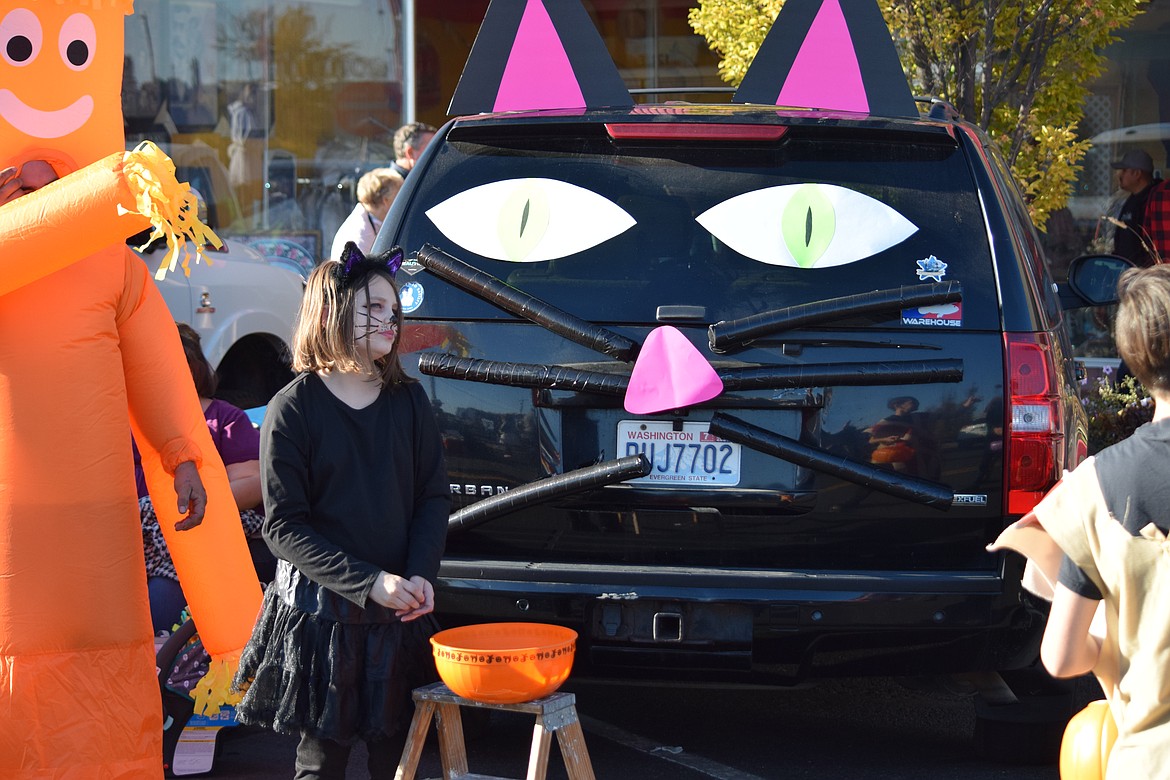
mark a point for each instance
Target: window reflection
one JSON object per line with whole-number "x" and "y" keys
{"x": 278, "y": 107}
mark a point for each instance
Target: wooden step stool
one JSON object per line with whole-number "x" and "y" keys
{"x": 556, "y": 713}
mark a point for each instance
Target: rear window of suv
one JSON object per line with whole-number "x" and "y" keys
{"x": 891, "y": 207}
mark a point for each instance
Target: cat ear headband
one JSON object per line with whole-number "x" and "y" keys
{"x": 355, "y": 265}
{"x": 827, "y": 55}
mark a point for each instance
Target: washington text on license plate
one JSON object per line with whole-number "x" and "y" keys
{"x": 679, "y": 458}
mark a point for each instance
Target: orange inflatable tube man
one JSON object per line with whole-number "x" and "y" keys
{"x": 89, "y": 352}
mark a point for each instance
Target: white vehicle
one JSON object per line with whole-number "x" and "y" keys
{"x": 244, "y": 310}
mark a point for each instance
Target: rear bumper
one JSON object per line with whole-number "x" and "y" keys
{"x": 752, "y": 626}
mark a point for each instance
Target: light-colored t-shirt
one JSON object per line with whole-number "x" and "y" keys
{"x": 360, "y": 227}
{"x": 1132, "y": 572}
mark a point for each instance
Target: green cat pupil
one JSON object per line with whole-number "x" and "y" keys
{"x": 807, "y": 225}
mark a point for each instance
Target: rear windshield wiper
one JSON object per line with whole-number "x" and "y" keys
{"x": 736, "y": 334}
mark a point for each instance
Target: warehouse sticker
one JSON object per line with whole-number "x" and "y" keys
{"x": 943, "y": 315}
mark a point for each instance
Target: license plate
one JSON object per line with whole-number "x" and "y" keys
{"x": 679, "y": 458}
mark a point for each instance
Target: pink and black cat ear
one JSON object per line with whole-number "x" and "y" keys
{"x": 354, "y": 264}
{"x": 831, "y": 55}
{"x": 538, "y": 54}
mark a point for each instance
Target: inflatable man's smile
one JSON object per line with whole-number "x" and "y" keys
{"x": 44, "y": 124}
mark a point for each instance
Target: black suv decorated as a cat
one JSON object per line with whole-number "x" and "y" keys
{"x": 895, "y": 385}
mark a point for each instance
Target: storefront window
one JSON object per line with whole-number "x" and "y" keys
{"x": 273, "y": 110}
{"x": 1128, "y": 109}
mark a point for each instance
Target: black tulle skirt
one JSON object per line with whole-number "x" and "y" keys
{"x": 336, "y": 679}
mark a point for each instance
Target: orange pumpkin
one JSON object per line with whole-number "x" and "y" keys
{"x": 1088, "y": 739}
{"x": 898, "y": 452}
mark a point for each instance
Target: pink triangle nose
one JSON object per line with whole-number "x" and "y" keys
{"x": 670, "y": 374}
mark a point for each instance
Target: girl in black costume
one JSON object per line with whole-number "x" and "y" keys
{"x": 356, "y": 500}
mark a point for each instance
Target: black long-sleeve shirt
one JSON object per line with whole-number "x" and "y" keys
{"x": 349, "y": 493}
{"x": 1130, "y": 242}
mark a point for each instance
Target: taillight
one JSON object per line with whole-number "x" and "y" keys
{"x": 1034, "y": 457}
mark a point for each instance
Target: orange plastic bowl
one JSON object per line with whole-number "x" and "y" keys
{"x": 504, "y": 663}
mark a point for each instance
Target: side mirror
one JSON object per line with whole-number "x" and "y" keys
{"x": 1092, "y": 280}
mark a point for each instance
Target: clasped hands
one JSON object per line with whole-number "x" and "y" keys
{"x": 409, "y": 598}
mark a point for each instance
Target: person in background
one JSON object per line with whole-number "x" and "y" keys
{"x": 410, "y": 141}
{"x": 1108, "y": 518}
{"x": 376, "y": 191}
{"x": 1157, "y": 220}
{"x": 356, "y": 503}
{"x": 1135, "y": 176}
{"x": 1145, "y": 239}
{"x": 244, "y": 153}
{"x": 238, "y": 443}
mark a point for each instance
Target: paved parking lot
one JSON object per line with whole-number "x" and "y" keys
{"x": 873, "y": 729}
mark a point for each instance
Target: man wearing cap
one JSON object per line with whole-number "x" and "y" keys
{"x": 1135, "y": 176}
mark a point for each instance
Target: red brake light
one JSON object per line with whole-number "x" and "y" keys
{"x": 1035, "y": 418}
{"x": 1029, "y": 368}
{"x": 694, "y": 131}
{"x": 1031, "y": 464}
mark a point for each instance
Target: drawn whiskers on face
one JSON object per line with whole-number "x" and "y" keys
{"x": 373, "y": 324}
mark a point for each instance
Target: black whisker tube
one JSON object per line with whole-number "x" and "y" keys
{"x": 497, "y": 293}
{"x": 918, "y": 490}
{"x": 549, "y": 489}
{"x": 495, "y": 372}
{"x": 727, "y": 335}
{"x": 839, "y": 374}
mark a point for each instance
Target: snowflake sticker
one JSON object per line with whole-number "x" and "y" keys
{"x": 931, "y": 268}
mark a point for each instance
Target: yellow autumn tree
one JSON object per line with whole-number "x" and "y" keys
{"x": 1017, "y": 68}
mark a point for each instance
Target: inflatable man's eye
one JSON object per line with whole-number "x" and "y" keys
{"x": 77, "y": 42}
{"x": 806, "y": 225}
{"x": 529, "y": 220}
{"x": 20, "y": 35}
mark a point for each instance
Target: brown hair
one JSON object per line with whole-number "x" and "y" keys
{"x": 1142, "y": 329}
{"x": 409, "y": 135}
{"x": 204, "y": 375}
{"x": 323, "y": 337}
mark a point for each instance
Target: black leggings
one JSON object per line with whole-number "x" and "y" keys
{"x": 324, "y": 759}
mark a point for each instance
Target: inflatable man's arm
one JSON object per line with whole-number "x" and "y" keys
{"x": 100, "y": 205}
{"x": 212, "y": 560}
